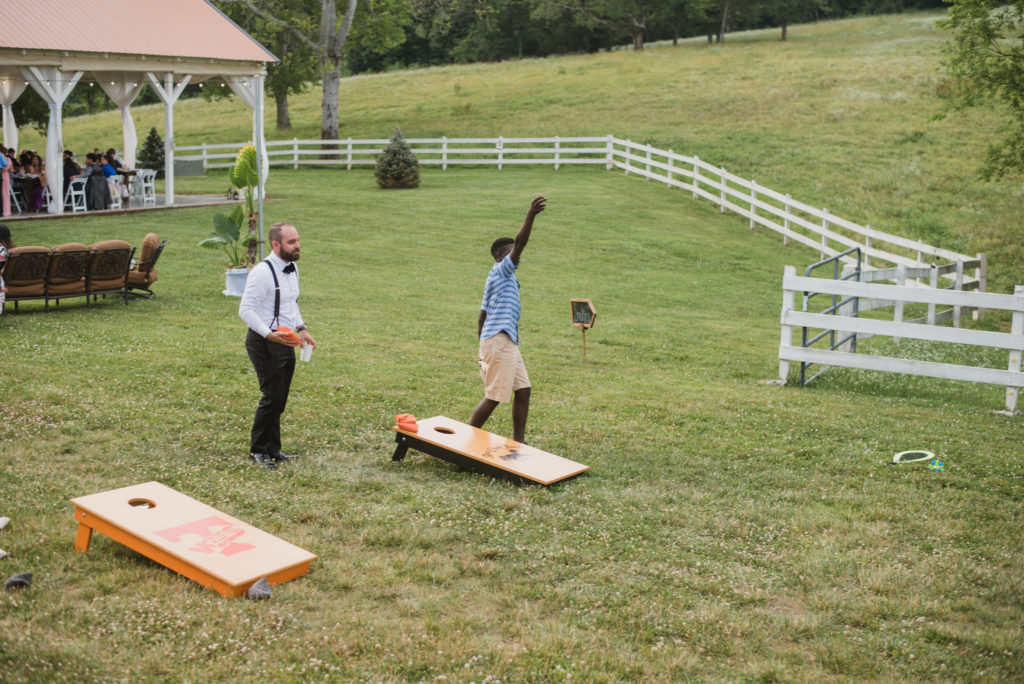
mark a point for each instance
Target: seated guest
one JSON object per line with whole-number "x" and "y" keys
{"x": 71, "y": 169}
{"x": 113, "y": 159}
{"x": 105, "y": 166}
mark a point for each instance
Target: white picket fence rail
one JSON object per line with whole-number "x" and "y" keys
{"x": 1012, "y": 378}
{"x": 794, "y": 220}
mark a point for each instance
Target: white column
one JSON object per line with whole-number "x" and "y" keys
{"x": 169, "y": 94}
{"x": 261, "y": 151}
{"x": 11, "y": 87}
{"x": 54, "y": 86}
{"x": 123, "y": 88}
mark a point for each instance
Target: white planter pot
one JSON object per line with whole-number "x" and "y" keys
{"x": 234, "y": 281}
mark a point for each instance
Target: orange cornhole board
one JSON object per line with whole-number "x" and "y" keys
{"x": 198, "y": 541}
{"x": 484, "y": 452}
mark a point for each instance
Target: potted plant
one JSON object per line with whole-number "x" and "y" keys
{"x": 227, "y": 230}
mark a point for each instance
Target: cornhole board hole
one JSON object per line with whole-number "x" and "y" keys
{"x": 484, "y": 452}
{"x": 195, "y": 540}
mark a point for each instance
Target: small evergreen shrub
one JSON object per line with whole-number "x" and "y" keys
{"x": 151, "y": 156}
{"x": 397, "y": 166}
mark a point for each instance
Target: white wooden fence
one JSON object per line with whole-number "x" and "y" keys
{"x": 1012, "y": 378}
{"x": 816, "y": 228}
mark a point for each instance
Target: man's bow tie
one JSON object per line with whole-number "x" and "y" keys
{"x": 290, "y": 268}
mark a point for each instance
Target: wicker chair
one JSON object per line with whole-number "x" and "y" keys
{"x": 25, "y": 273}
{"x": 65, "y": 276}
{"x": 144, "y": 274}
{"x": 108, "y": 269}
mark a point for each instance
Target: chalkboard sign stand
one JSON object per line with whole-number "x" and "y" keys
{"x": 583, "y": 317}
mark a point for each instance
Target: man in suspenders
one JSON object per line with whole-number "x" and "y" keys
{"x": 270, "y": 301}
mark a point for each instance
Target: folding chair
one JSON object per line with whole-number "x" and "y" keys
{"x": 14, "y": 199}
{"x": 114, "y": 186}
{"x": 75, "y": 196}
{"x": 148, "y": 181}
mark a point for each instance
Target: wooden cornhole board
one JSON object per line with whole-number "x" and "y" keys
{"x": 198, "y": 541}
{"x": 484, "y": 452}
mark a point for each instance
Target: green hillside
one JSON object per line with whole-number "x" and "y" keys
{"x": 840, "y": 116}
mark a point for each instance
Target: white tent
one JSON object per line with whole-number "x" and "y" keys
{"x": 52, "y": 45}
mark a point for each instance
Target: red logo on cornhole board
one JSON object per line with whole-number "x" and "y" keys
{"x": 216, "y": 535}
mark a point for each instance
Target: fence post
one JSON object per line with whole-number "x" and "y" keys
{"x": 609, "y": 159}
{"x": 1016, "y": 328}
{"x": 629, "y": 152}
{"x": 847, "y": 310}
{"x": 935, "y": 285}
{"x": 444, "y": 152}
{"x": 920, "y": 244}
{"x": 558, "y": 149}
{"x": 981, "y": 274}
{"x": 786, "y": 336}
{"x": 721, "y": 192}
{"x": 753, "y": 207}
{"x": 647, "y": 168}
{"x": 901, "y": 280}
{"x": 959, "y": 285}
{"x": 824, "y": 228}
{"x": 785, "y": 221}
{"x": 348, "y": 155}
{"x": 295, "y": 153}
{"x": 671, "y": 157}
{"x": 696, "y": 175}
{"x": 867, "y": 246}
{"x": 501, "y": 151}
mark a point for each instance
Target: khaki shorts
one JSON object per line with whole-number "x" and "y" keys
{"x": 502, "y": 367}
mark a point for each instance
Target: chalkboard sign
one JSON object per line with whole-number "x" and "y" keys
{"x": 583, "y": 313}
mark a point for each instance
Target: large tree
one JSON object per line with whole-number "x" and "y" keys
{"x": 317, "y": 24}
{"x": 630, "y": 17}
{"x": 986, "y": 61}
{"x": 298, "y": 65}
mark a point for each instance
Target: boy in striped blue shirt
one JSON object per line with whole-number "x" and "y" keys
{"x": 501, "y": 364}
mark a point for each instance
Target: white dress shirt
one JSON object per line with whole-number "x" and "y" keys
{"x": 257, "y": 305}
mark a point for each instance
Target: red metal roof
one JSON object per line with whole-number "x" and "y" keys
{"x": 167, "y": 28}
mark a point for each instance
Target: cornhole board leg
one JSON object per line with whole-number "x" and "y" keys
{"x": 83, "y": 537}
{"x": 464, "y": 462}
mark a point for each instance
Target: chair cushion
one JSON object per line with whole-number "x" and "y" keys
{"x": 69, "y": 246}
{"x": 66, "y": 287}
{"x": 147, "y": 251}
{"x": 24, "y": 291}
{"x": 136, "y": 279}
{"x": 110, "y": 244}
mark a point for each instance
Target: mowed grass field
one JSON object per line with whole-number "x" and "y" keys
{"x": 727, "y": 529}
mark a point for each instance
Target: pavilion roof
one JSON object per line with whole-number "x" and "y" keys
{"x": 163, "y": 29}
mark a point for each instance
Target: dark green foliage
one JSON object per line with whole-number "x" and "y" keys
{"x": 986, "y": 60}
{"x": 397, "y": 167}
{"x": 151, "y": 156}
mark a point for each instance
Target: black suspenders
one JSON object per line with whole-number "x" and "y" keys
{"x": 277, "y": 295}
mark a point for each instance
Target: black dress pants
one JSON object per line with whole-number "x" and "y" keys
{"x": 274, "y": 364}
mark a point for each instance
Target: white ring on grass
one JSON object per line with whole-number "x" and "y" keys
{"x": 913, "y": 456}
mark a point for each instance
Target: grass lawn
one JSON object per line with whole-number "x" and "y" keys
{"x": 727, "y": 529}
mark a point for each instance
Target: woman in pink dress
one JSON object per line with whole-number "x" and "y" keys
{"x": 5, "y": 182}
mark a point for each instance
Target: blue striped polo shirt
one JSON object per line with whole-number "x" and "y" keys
{"x": 501, "y": 301}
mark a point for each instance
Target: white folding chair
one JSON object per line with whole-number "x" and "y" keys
{"x": 14, "y": 199}
{"x": 114, "y": 186}
{"x": 75, "y": 196}
{"x": 148, "y": 181}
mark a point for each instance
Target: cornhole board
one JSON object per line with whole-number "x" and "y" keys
{"x": 195, "y": 540}
{"x": 484, "y": 452}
